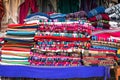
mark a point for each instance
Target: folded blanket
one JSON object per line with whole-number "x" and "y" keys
{"x": 18, "y": 40}
{"x": 25, "y": 45}
{"x": 61, "y": 38}
{"x": 103, "y": 47}
{"x": 20, "y": 26}
{"x": 99, "y": 17}
{"x": 96, "y": 11}
{"x": 20, "y": 33}
{"x": 12, "y": 56}
{"x": 16, "y": 49}
{"x": 14, "y": 62}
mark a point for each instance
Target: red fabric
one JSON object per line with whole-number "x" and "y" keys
{"x": 20, "y": 25}
{"x": 103, "y": 17}
{"x": 61, "y": 38}
{"x": 1, "y": 11}
{"x": 107, "y": 34}
{"x": 16, "y": 49}
{"x": 24, "y": 8}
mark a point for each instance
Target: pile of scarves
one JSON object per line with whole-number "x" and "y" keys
{"x": 104, "y": 45}
{"x": 114, "y": 15}
{"x": 114, "y": 12}
{"x": 60, "y": 44}
{"x": 18, "y": 41}
{"x": 99, "y": 18}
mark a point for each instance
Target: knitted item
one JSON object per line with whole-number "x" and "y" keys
{"x": 112, "y": 9}
{"x": 96, "y": 11}
{"x": 99, "y": 17}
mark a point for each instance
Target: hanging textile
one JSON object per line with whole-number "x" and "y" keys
{"x": 24, "y": 9}
{"x": 11, "y": 12}
{"x": 87, "y": 5}
{"x": 1, "y": 11}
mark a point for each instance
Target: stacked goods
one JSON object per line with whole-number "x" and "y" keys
{"x": 114, "y": 12}
{"x": 60, "y": 44}
{"x": 98, "y": 18}
{"x": 104, "y": 45}
{"x": 1, "y": 42}
{"x": 76, "y": 16}
{"x": 19, "y": 40}
{"x": 36, "y": 18}
{"x": 57, "y": 17}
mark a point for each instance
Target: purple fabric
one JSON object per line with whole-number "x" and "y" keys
{"x": 24, "y": 8}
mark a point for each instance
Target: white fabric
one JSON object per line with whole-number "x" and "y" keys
{"x": 11, "y": 56}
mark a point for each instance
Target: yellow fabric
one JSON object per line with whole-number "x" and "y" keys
{"x": 118, "y": 51}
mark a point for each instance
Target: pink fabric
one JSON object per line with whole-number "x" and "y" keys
{"x": 24, "y": 8}
{"x": 107, "y": 35}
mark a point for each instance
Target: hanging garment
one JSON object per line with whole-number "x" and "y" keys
{"x": 11, "y": 12}
{"x": 24, "y": 9}
{"x": 1, "y": 11}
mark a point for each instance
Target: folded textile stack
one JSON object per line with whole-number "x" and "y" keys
{"x": 57, "y": 17}
{"x": 99, "y": 18}
{"x": 104, "y": 45}
{"x": 76, "y": 16}
{"x": 1, "y": 42}
{"x": 1, "y": 39}
{"x": 114, "y": 12}
{"x": 36, "y": 18}
{"x": 60, "y": 44}
{"x": 19, "y": 40}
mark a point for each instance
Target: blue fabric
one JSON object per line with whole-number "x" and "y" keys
{"x": 38, "y": 13}
{"x": 24, "y": 27}
{"x": 58, "y": 17}
{"x": 103, "y": 47}
{"x": 18, "y": 40}
{"x": 20, "y": 33}
{"x": 54, "y": 72}
{"x": 55, "y": 16}
{"x": 118, "y": 55}
{"x": 96, "y": 11}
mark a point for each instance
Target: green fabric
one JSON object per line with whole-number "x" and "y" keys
{"x": 100, "y": 21}
{"x": 16, "y": 62}
{"x": 68, "y": 6}
{"x": 14, "y": 58}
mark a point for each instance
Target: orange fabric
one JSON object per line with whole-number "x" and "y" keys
{"x": 22, "y": 29}
{"x": 20, "y": 25}
{"x": 10, "y": 53}
{"x": 16, "y": 49}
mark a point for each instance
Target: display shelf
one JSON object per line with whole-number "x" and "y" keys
{"x": 54, "y": 72}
